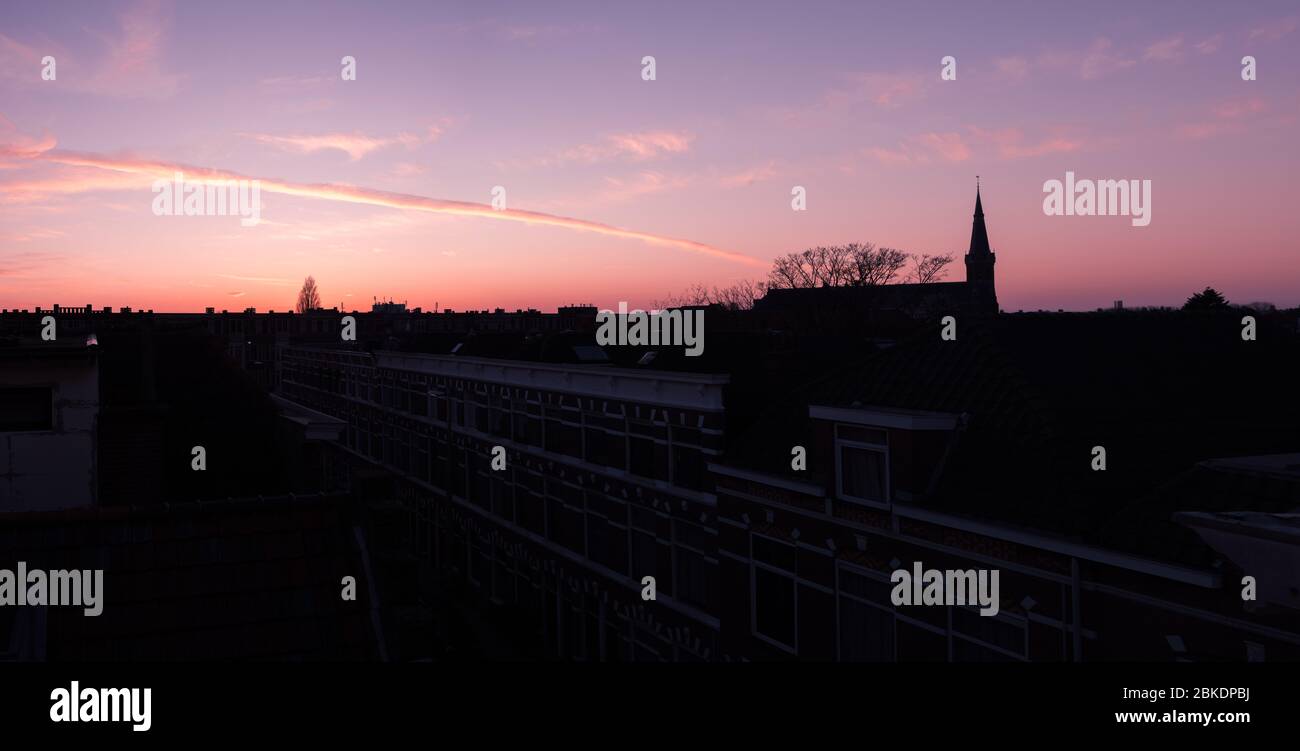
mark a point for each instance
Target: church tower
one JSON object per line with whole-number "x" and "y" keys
{"x": 979, "y": 262}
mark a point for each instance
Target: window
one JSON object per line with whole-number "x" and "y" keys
{"x": 607, "y": 543}
{"x": 649, "y": 459}
{"x": 688, "y": 467}
{"x": 862, "y": 464}
{"x": 563, "y": 438}
{"x": 528, "y": 430}
{"x": 564, "y": 526}
{"x": 499, "y": 422}
{"x": 866, "y": 617}
{"x": 981, "y": 638}
{"x": 530, "y": 511}
{"x": 696, "y": 569}
{"x": 27, "y": 408}
{"x": 774, "y": 604}
{"x": 915, "y": 643}
{"x": 605, "y": 449}
{"x": 651, "y": 553}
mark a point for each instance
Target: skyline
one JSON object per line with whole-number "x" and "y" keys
{"x": 622, "y": 189}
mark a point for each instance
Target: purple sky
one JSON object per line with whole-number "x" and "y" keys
{"x": 547, "y": 100}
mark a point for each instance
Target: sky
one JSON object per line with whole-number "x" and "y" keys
{"x": 619, "y": 188}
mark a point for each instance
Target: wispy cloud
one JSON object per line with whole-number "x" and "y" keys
{"x": 884, "y": 90}
{"x": 1012, "y": 68}
{"x": 356, "y": 144}
{"x": 1228, "y": 117}
{"x": 923, "y": 149}
{"x": 16, "y": 147}
{"x": 27, "y": 263}
{"x": 408, "y": 169}
{"x": 1005, "y": 143}
{"x": 134, "y": 65}
{"x": 1209, "y": 45}
{"x": 1011, "y": 143}
{"x": 1165, "y": 50}
{"x": 643, "y": 183}
{"x": 636, "y": 147}
{"x": 20, "y": 62}
{"x": 271, "y": 280}
{"x": 1102, "y": 60}
{"x": 1275, "y": 30}
{"x": 525, "y": 32}
{"x": 36, "y": 233}
{"x": 294, "y": 82}
{"x": 749, "y": 176}
{"x": 145, "y": 171}
{"x": 129, "y": 63}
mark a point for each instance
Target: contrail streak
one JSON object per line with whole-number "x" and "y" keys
{"x": 354, "y": 194}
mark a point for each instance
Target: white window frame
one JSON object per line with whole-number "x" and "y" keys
{"x": 793, "y": 576}
{"x": 839, "y": 459}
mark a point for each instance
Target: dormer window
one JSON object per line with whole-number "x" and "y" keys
{"x": 862, "y": 464}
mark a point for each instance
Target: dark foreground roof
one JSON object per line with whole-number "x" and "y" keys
{"x": 240, "y": 579}
{"x": 1160, "y": 391}
{"x": 879, "y": 297}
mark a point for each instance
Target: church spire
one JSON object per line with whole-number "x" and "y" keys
{"x": 980, "y": 261}
{"x": 979, "y": 236}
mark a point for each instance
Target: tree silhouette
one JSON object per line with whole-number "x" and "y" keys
{"x": 739, "y": 296}
{"x": 308, "y": 296}
{"x": 1207, "y": 299}
{"x": 852, "y": 265}
{"x": 929, "y": 268}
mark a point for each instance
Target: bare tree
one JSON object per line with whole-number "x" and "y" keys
{"x": 308, "y": 296}
{"x": 876, "y": 266}
{"x": 739, "y": 296}
{"x": 823, "y": 266}
{"x": 927, "y": 268}
{"x": 852, "y": 265}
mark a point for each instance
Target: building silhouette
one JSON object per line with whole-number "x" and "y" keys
{"x": 506, "y": 485}
{"x": 876, "y": 305}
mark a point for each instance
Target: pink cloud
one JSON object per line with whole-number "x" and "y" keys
{"x": 130, "y": 65}
{"x": 644, "y": 183}
{"x": 749, "y": 176}
{"x": 1101, "y": 60}
{"x": 273, "y": 281}
{"x": 1229, "y": 117}
{"x": 145, "y": 171}
{"x": 37, "y": 233}
{"x": 133, "y": 67}
{"x": 635, "y": 147}
{"x": 1010, "y": 143}
{"x": 356, "y": 144}
{"x": 1199, "y": 131}
{"x": 1165, "y": 50}
{"x": 884, "y": 90}
{"x": 1275, "y": 30}
{"x": 1207, "y": 46}
{"x": 1238, "y": 108}
{"x": 21, "y": 62}
{"x": 924, "y": 148}
{"x": 16, "y": 146}
{"x": 408, "y": 169}
{"x": 1013, "y": 68}
{"x": 28, "y": 263}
